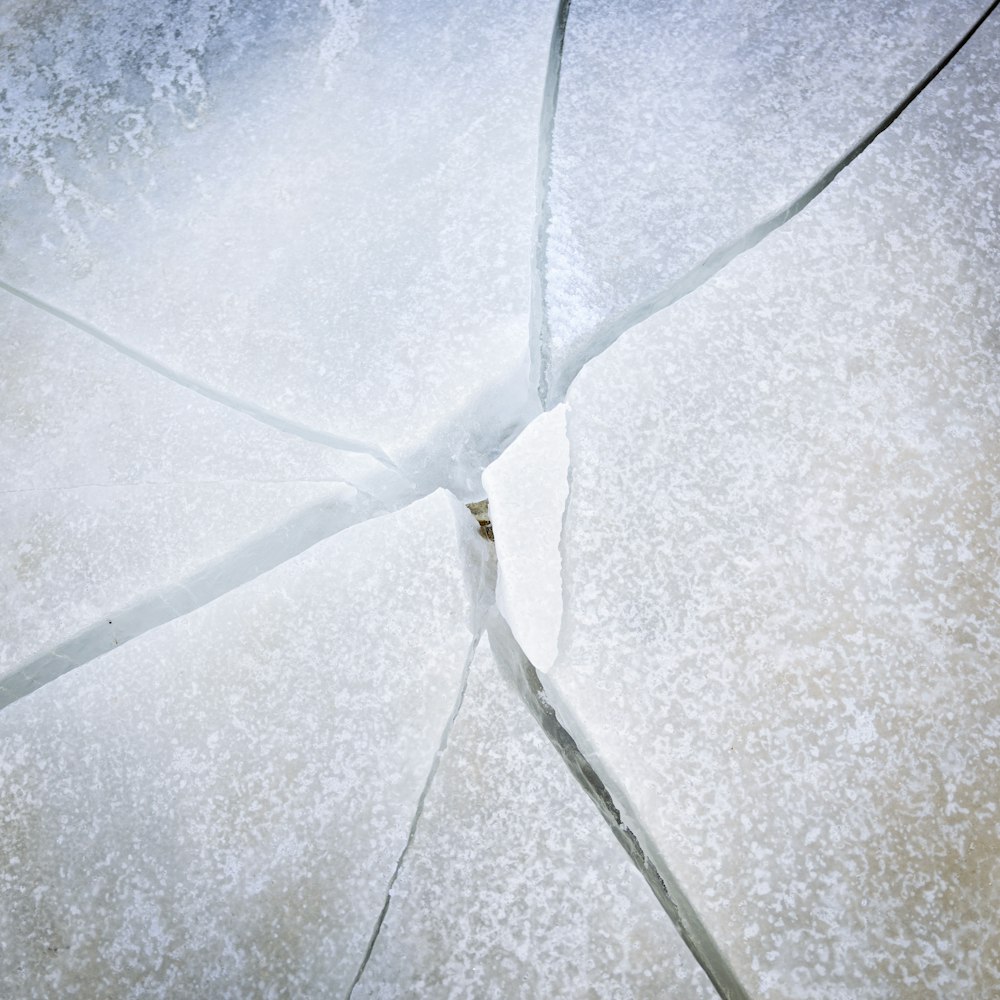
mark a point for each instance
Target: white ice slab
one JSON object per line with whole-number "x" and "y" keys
{"x": 514, "y": 885}
{"x": 215, "y": 809}
{"x": 527, "y": 488}
{"x": 118, "y": 483}
{"x": 782, "y": 639}
{"x": 324, "y": 209}
{"x": 681, "y": 125}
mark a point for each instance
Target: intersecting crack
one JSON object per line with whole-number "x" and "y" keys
{"x": 552, "y": 392}
{"x": 243, "y": 406}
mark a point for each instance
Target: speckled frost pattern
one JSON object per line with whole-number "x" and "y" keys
{"x": 681, "y": 125}
{"x": 514, "y": 886}
{"x": 215, "y": 809}
{"x": 325, "y": 213}
{"x": 116, "y": 481}
{"x": 782, "y": 641}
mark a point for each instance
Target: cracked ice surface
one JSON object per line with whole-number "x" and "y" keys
{"x": 782, "y": 633}
{"x": 215, "y": 809}
{"x": 323, "y": 209}
{"x": 514, "y": 885}
{"x": 680, "y": 126}
{"x": 118, "y": 481}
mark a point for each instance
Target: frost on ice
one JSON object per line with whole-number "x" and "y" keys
{"x": 781, "y": 638}
{"x": 215, "y": 809}
{"x": 680, "y": 126}
{"x": 273, "y": 273}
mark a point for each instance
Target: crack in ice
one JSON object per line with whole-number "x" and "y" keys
{"x": 554, "y": 392}
{"x": 248, "y": 561}
{"x": 249, "y": 409}
{"x": 418, "y": 812}
{"x": 538, "y": 325}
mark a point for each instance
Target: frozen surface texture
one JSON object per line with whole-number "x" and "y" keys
{"x": 782, "y": 641}
{"x": 321, "y": 208}
{"x": 527, "y": 486}
{"x": 118, "y": 482}
{"x": 514, "y": 886}
{"x": 679, "y": 126}
{"x": 215, "y": 809}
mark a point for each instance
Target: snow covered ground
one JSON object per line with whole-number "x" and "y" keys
{"x": 702, "y": 297}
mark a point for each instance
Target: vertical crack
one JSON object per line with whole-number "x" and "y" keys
{"x": 555, "y": 391}
{"x": 659, "y": 878}
{"x": 252, "y": 410}
{"x": 418, "y": 812}
{"x": 538, "y": 326}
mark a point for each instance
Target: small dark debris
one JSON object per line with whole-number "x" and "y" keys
{"x": 481, "y": 512}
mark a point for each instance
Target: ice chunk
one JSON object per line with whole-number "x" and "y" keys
{"x": 782, "y": 640}
{"x": 118, "y": 483}
{"x": 527, "y": 487}
{"x": 323, "y": 209}
{"x": 681, "y": 126}
{"x": 215, "y": 809}
{"x": 514, "y": 885}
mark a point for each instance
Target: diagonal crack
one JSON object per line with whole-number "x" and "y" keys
{"x": 658, "y": 876}
{"x": 418, "y": 812}
{"x": 283, "y": 424}
{"x": 248, "y": 561}
{"x": 553, "y": 392}
{"x": 538, "y": 327}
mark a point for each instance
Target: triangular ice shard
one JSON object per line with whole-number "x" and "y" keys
{"x": 681, "y": 126}
{"x": 527, "y": 488}
{"x": 782, "y": 640}
{"x": 215, "y": 809}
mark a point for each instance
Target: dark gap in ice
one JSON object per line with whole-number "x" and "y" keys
{"x": 668, "y": 893}
{"x": 538, "y": 327}
{"x": 215, "y": 395}
{"x": 247, "y": 562}
{"x": 418, "y": 812}
{"x": 552, "y": 391}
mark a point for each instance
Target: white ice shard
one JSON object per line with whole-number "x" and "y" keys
{"x": 782, "y": 634}
{"x": 324, "y": 209}
{"x": 680, "y": 126}
{"x": 215, "y": 809}
{"x": 514, "y": 885}
{"x": 118, "y": 484}
{"x": 527, "y": 488}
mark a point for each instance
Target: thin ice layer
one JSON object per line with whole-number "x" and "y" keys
{"x": 216, "y": 808}
{"x": 782, "y": 640}
{"x": 118, "y": 482}
{"x": 527, "y": 488}
{"x": 680, "y": 126}
{"x": 324, "y": 209}
{"x": 514, "y": 885}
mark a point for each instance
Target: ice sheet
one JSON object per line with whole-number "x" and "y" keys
{"x": 527, "y": 488}
{"x": 680, "y": 126}
{"x": 215, "y": 808}
{"x": 118, "y": 482}
{"x": 514, "y": 885}
{"x": 782, "y": 639}
{"x": 325, "y": 209}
